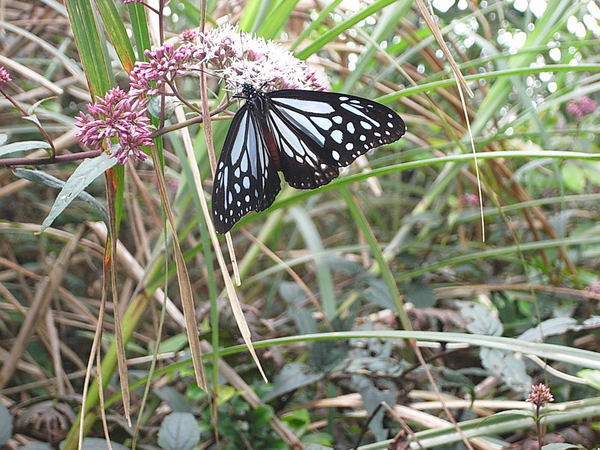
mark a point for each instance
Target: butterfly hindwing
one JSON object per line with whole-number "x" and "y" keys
{"x": 340, "y": 126}
{"x": 300, "y": 158}
{"x": 246, "y": 178}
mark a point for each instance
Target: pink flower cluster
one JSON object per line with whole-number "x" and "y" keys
{"x": 164, "y": 65}
{"x": 4, "y": 76}
{"x": 117, "y": 119}
{"x": 580, "y": 107}
{"x": 469, "y": 199}
{"x": 540, "y": 395}
{"x": 121, "y": 117}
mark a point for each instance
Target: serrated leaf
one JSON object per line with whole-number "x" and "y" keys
{"x": 550, "y": 327}
{"x": 507, "y": 367}
{"x": 419, "y": 294}
{"x": 293, "y": 376}
{"x": 40, "y": 177}
{"x": 372, "y": 397}
{"x": 481, "y": 319}
{"x": 179, "y": 431}
{"x": 22, "y": 147}
{"x": 378, "y": 293}
{"x": 6, "y": 424}
{"x": 573, "y": 177}
{"x": 86, "y": 172}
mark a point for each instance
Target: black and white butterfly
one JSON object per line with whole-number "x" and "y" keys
{"x": 307, "y": 135}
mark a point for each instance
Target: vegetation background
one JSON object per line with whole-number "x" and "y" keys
{"x": 340, "y": 285}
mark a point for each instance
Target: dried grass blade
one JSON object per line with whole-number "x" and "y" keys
{"x": 233, "y": 299}
{"x": 185, "y": 286}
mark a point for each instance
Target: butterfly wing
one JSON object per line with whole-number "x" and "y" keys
{"x": 246, "y": 179}
{"x": 321, "y": 131}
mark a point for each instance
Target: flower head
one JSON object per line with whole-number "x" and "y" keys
{"x": 594, "y": 288}
{"x": 165, "y": 64}
{"x": 189, "y": 35}
{"x": 242, "y": 58}
{"x": 581, "y": 106}
{"x": 118, "y": 119}
{"x": 4, "y": 75}
{"x": 239, "y": 58}
{"x": 469, "y": 199}
{"x": 540, "y": 395}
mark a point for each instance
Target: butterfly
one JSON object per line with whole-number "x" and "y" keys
{"x": 307, "y": 135}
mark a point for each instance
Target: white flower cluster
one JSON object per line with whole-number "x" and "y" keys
{"x": 243, "y": 58}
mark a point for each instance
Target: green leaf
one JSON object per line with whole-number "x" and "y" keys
{"x": 174, "y": 343}
{"x": 179, "y": 431}
{"x": 115, "y": 28}
{"x": 560, "y": 446}
{"x": 226, "y": 393}
{"x": 175, "y": 399}
{"x": 22, "y": 146}
{"x": 334, "y": 32}
{"x": 278, "y": 15}
{"x": 36, "y": 446}
{"x": 261, "y": 415}
{"x": 550, "y": 327}
{"x": 313, "y": 240}
{"x": 40, "y": 177}
{"x": 6, "y": 424}
{"x": 86, "y": 172}
{"x": 507, "y": 367}
{"x": 87, "y": 38}
{"x": 297, "y": 420}
{"x": 481, "y": 320}
{"x": 293, "y": 376}
{"x": 419, "y": 294}
{"x": 592, "y": 377}
{"x": 100, "y": 444}
{"x": 573, "y": 177}
{"x": 592, "y": 172}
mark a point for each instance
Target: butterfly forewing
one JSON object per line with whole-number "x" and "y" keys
{"x": 341, "y": 126}
{"x": 246, "y": 179}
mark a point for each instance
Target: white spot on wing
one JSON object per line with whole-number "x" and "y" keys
{"x": 337, "y": 136}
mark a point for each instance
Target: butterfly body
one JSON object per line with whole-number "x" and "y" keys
{"x": 307, "y": 135}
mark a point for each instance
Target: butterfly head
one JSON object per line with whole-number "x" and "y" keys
{"x": 249, "y": 91}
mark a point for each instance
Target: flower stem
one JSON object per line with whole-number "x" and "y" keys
{"x": 37, "y": 125}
